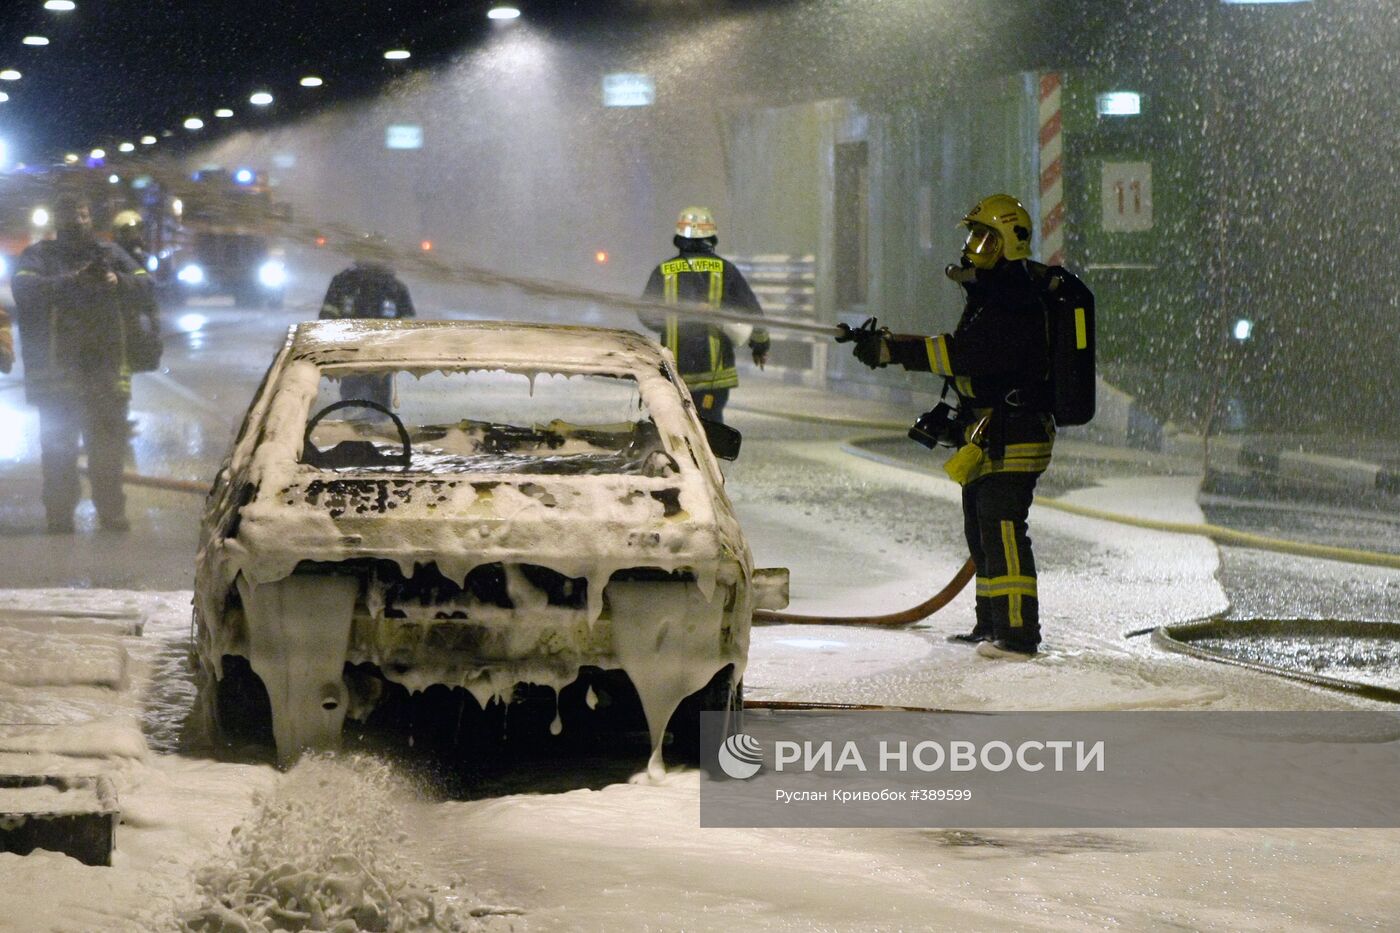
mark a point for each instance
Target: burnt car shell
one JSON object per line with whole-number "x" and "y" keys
{"x": 474, "y": 580}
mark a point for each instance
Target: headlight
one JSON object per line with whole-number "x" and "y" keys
{"x": 191, "y": 275}
{"x": 272, "y": 274}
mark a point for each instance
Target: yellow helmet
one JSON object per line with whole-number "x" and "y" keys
{"x": 999, "y": 227}
{"x": 696, "y": 223}
{"x": 126, "y": 218}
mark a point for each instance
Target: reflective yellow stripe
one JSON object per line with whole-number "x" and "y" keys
{"x": 1008, "y": 545}
{"x": 1005, "y": 586}
{"x": 1081, "y": 330}
{"x": 937, "y": 348}
{"x": 726, "y": 378}
{"x": 669, "y": 289}
{"x": 1035, "y": 449}
{"x": 1038, "y": 465}
{"x": 716, "y": 358}
{"x": 139, "y": 271}
{"x": 964, "y": 386}
{"x": 716, "y": 289}
{"x": 1013, "y": 569}
{"x": 673, "y": 336}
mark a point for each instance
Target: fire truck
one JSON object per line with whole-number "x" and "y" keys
{"x": 215, "y": 235}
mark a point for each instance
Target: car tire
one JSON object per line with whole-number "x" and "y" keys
{"x": 721, "y": 695}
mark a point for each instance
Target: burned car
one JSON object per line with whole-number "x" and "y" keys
{"x": 473, "y": 507}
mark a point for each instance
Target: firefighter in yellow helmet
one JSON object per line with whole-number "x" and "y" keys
{"x": 996, "y": 361}
{"x": 129, "y": 232}
{"x": 704, "y": 352}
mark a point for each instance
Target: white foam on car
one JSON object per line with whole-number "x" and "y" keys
{"x": 596, "y": 526}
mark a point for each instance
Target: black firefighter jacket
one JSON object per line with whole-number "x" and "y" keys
{"x": 704, "y": 352}
{"x": 998, "y": 361}
{"x": 73, "y": 326}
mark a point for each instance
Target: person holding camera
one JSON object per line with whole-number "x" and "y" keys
{"x": 997, "y": 362}
{"x": 71, "y": 295}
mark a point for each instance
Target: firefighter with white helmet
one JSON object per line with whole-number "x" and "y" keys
{"x": 704, "y": 352}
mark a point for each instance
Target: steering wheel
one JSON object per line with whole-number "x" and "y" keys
{"x": 354, "y": 453}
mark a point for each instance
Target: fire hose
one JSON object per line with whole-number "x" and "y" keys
{"x": 908, "y": 617}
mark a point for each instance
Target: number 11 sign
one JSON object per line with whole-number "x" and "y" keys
{"x": 1127, "y": 196}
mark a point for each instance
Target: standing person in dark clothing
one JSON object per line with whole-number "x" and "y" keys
{"x": 704, "y": 352}
{"x": 997, "y": 360}
{"x": 368, "y": 289}
{"x": 70, "y": 293}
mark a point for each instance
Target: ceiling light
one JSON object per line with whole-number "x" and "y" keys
{"x": 35, "y": 40}
{"x": 148, "y": 140}
{"x": 311, "y": 81}
{"x": 126, "y": 147}
{"x": 194, "y": 123}
{"x": 397, "y": 55}
{"x": 98, "y": 154}
{"x": 9, "y": 74}
{"x": 60, "y": 6}
{"x": 503, "y": 12}
{"x": 260, "y": 99}
{"x": 223, "y": 113}
{"x": 4, "y": 97}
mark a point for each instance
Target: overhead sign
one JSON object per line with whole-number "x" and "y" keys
{"x": 628, "y": 90}
{"x": 1127, "y": 197}
{"x": 403, "y": 136}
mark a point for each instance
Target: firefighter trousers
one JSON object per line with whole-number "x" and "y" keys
{"x": 99, "y": 422}
{"x": 994, "y": 519}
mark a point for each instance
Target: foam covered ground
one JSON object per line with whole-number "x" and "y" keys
{"x": 352, "y": 838}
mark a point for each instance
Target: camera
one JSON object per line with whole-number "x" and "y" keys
{"x": 938, "y": 426}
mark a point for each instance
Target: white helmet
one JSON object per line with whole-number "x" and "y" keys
{"x": 696, "y": 223}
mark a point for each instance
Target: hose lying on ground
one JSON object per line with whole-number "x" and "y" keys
{"x": 907, "y": 617}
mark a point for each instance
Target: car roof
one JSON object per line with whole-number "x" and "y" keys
{"x": 504, "y": 343}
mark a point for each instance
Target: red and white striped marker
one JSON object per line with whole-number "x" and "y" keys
{"x": 1052, "y": 182}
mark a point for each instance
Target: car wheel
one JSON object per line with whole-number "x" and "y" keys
{"x": 242, "y": 710}
{"x": 721, "y": 695}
